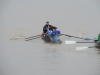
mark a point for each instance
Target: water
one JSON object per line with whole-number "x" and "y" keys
{"x": 20, "y": 19}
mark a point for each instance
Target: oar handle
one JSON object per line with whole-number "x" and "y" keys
{"x": 77, "y": 37}
{"x": 72, "y": 36}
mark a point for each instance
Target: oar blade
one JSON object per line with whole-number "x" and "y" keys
{"x": 32, "y": 38}
{"x": 77, "y": 37}
{"x": 70, "y": 42}
{"x": 88, "y": 39}
{"x": 81, "y": 48}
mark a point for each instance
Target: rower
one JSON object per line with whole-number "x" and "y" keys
{"x": 49, "y": 30}
{"x": 45, "y": 27}
{"x": 55, "y": 34}
{"x": 55, "y": 31}
{"x": 99, "y": 38}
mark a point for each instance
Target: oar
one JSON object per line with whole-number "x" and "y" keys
{"x": 74, "y": 42}
{"x": 32, "y": 36}
{"x": 77, "y": 37}
{"x": 83, "y": 48}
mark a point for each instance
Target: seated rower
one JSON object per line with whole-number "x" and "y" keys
{"x": 52, "y": 31}
{"x": 97, "y": 40}
{"x": 46, "y": 27}
{"x": 55, "y": 31}
{"x": 49, "y": 30}
{"x": 99, "y": 37}
{"x": 55, "y": 34}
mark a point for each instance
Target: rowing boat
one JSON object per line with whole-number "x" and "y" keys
{"x": 52, "y": 38}
{"x": 97, "y": 44}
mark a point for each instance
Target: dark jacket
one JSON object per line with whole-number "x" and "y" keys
{"x": 45, "y": 28}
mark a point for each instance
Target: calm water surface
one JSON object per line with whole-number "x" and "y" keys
{"x": 22, "y": 18}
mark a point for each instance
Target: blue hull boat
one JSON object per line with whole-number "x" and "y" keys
{"x": 52, "y": 38}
